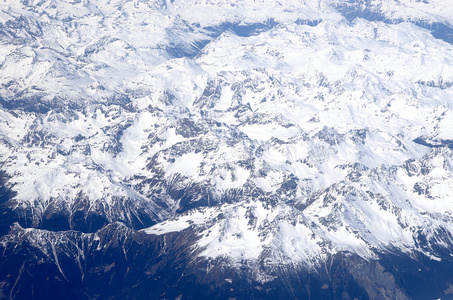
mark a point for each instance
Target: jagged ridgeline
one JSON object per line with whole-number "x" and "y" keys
{"x": 226, "y": 150}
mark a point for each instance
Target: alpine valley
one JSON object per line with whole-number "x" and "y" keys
{"x": 226, "y": 149}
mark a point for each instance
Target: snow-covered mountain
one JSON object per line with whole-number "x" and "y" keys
{"x": 264, "y": 140}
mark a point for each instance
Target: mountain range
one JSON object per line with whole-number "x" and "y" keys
{"x": 210, "y": 149}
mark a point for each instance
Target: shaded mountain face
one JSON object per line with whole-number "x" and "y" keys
{"x": 242, "y": 149}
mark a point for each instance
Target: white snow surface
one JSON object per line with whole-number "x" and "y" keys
{"x": 324, "y": 133}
